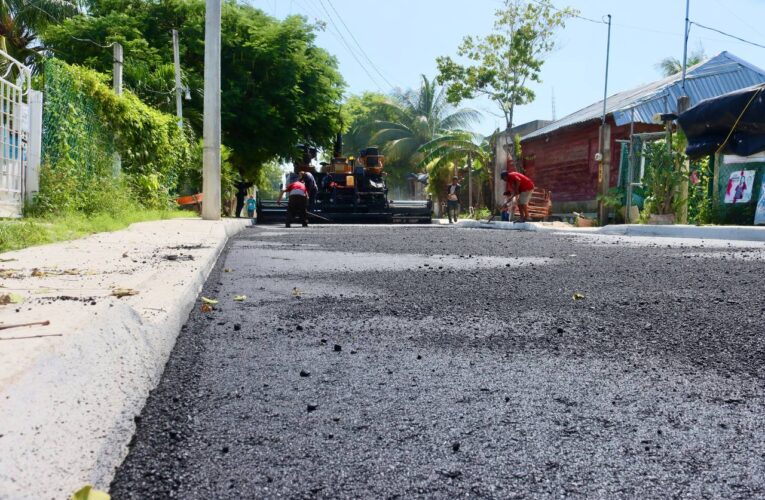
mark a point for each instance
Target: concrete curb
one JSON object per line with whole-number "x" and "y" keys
{"x": 67, "y": 409}
{"x": 729, "y": 233}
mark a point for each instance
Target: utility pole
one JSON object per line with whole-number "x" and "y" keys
{"x": 683, "y": 103}
{"x": 212, "y": 128}
{"x": 685, "y": 44}
{"x": 178, "y": 86}
{"x": 604, "y": 169}
{"x": 117, "y": 82}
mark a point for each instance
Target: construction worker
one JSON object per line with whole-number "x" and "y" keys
{"x": 521, "y": 186}
{"x": 313, "y": 189}
{"x": 297, "y": 201}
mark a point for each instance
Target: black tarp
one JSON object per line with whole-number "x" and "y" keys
{"x": 708, "y": 124}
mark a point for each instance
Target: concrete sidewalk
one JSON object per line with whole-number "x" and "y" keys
{"x": 729, "y": 233}
{"x": 69, "y": 391}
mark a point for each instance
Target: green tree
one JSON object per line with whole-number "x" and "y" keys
{"x": 22, "y": 20}
{"x": 420, "y": 116}
{"x": 269, "y": 180}
{"x": 671, "y": 65}
{"x": 278, "y": 87}
{"x": 504, "y": 63}
{"x": 454, "y": 149}
{"x": 360, "y": 114}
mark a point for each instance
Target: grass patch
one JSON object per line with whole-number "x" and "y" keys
{"x": 22, "y": 233}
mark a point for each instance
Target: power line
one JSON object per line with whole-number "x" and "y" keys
{"x": 727, "y": 34}
{"x": 88, "y": 40}
{"x": 363, "y": 53}
{"x": 348, "y": 46}
{"x": 743, "y": 21}
{"x": 542, "y": 4}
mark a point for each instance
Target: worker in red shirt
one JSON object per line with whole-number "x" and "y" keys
{"x": 297, "y": 201}
{"x": 521, "y": 186}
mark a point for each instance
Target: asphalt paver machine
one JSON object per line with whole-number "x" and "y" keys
{"x": 351, "y": 190}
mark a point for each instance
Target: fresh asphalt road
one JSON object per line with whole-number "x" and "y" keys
{"x": 435, "y": 362}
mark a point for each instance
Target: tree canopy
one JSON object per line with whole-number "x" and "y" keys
{"x": 503, "y": 63}
{"x": 419, "y": 116}
{"x": 278, "y": 87}
{"x": 360, "y": 113}
{"x": 671, "y": 65}
{"x": 22, "y": 21}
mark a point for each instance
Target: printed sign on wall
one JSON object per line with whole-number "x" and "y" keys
{"x": 759, "y": 214}
{"x": 740, "y": 186}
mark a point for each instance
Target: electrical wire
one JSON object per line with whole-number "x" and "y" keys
{"x": 348, "y": 46}
{"x": 743, "y": 21}
{"x": 733, "y": 129}
{"x": 88, "y": 40}
{"x": 543, "y": 4}
{"x": 694, "y": 23}
{"x": 363, "y": 53}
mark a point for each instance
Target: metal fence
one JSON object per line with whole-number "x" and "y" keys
{"x": 15, "y": 126}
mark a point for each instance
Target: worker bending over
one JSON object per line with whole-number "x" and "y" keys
{"x": 521, "y": 186}
{"x": 297, "y": 201}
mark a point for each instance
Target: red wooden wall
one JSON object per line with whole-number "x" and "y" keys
{"x": 564, "y": 160}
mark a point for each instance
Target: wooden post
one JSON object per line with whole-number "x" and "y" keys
{"x": 683, "y": 103}
{"x": 718, "y": 158}
{"x": 604, "y": 171}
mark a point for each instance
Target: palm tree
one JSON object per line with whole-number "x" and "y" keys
{"x": 443, "y": 154}
{"x": 21, "y": 21}
{"x": 671, "y": 65}
{"x": 421, "y": 116}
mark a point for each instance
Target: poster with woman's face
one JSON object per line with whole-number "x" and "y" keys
{"x": 740, "y": 185}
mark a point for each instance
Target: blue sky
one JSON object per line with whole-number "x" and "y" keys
{"x": 402, "y": 39}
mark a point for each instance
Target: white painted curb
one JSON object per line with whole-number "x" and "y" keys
{"x": 67, "y": 416}
{"x": 730, "y": 233}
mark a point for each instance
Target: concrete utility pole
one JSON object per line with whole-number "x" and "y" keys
{"x": 178, "y": 86}
{"x": 604, "y": 168}
{"x": 211, "y": 129}
{"x": 117, "y": 82}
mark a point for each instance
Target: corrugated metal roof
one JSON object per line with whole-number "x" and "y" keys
{"x": 719, "y": 75}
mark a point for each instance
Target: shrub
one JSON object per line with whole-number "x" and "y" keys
{"x": 84, "y": 124}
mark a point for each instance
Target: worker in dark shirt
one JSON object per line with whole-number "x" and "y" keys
{"x": 453, "y": 200}
{"x": 313, "y": 189}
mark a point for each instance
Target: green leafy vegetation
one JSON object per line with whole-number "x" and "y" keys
{"x": 16, "y": 234}
{"x": 22, "y": 22}
{"x": 505, "y": 62}
{"x": 662, "y": 178}
{"x": 278, "y": 87}
{"x": 84, "y": 124}
{"x": 449, "y": 152}
{"x": 671, "y": 65}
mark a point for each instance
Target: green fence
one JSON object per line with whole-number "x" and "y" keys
{"x": 84, "y": 124}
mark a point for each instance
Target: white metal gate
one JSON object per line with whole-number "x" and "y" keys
{"x": 15, "y": 83}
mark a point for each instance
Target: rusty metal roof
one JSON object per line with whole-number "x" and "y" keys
{"x": 719, "y": 75}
